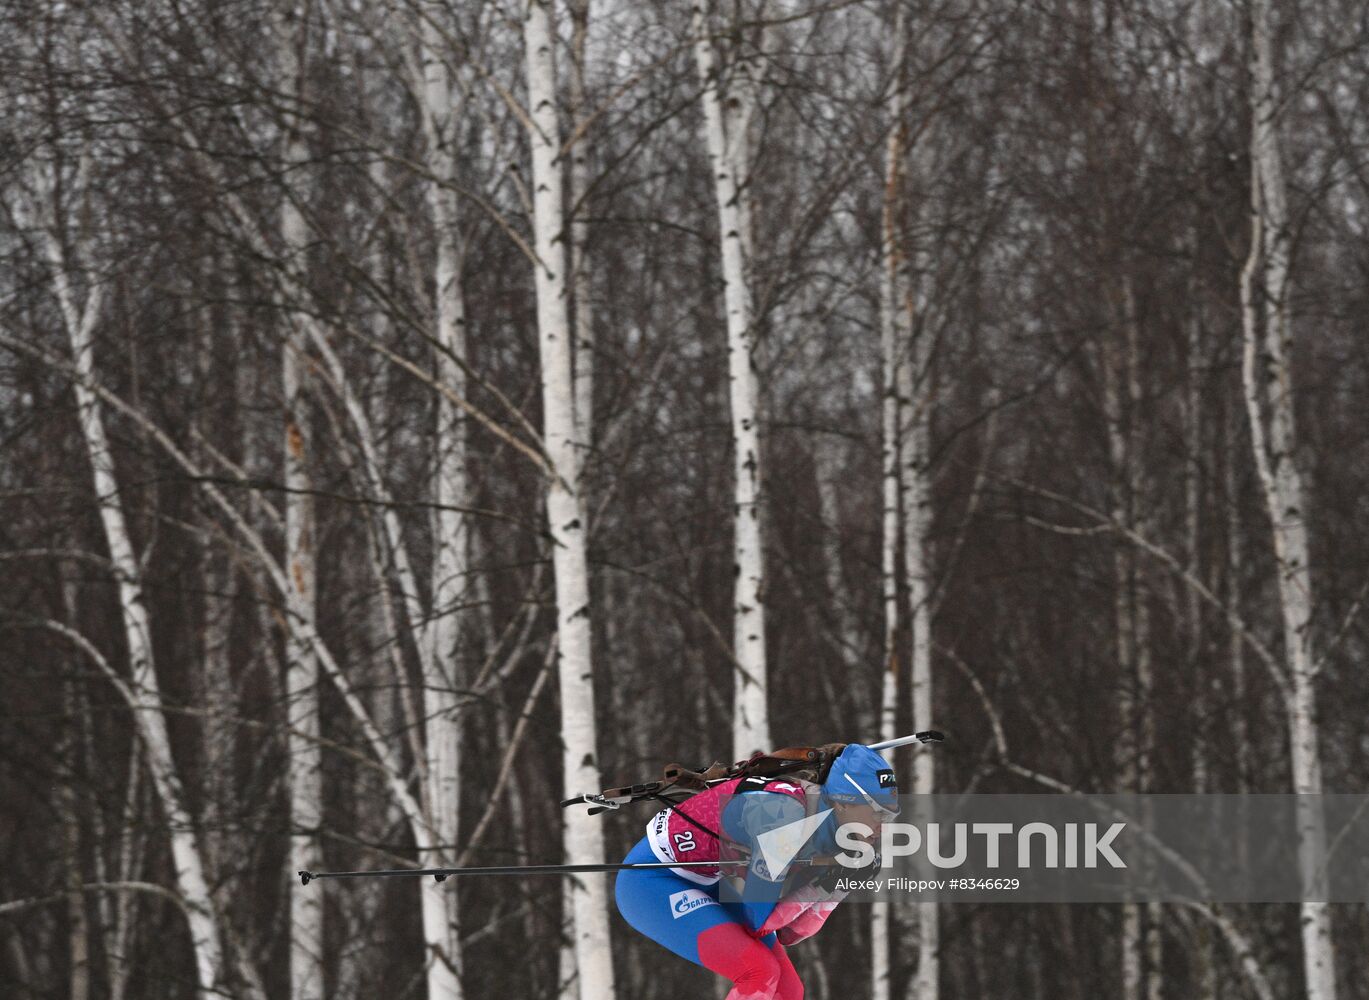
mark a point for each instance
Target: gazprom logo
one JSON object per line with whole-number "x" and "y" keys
{"x": 686, "y": 902}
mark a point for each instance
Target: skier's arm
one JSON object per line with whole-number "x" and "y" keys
{"x": 745, "y": 819}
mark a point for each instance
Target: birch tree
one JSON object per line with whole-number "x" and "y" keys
{"x": 301, "y": 680}
{"x": 431, "y": 814}
{"x": 306, "y": 335}
{"x": 565, "y": 510}
{"x": 333, "y": 260}
{"x": 80, "y": 316}
{"x": 1117, "y": 360}
{"x": 581, "y": 122}
{"x": 915, "y": 390}
{"x": 1269, "y": 396}
{"x": 305, "y": 776}
{"x": 443, "y": 677}
{"x": 893, "y": 281}
{"x": 728, "y": 109}
{"x": 582, "y": 357}
{"x": 914, "y": 385}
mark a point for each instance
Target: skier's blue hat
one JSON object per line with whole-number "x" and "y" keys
{"x": 861, "y": 775}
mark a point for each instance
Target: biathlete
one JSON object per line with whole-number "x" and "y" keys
{"x": 743, "y": 935}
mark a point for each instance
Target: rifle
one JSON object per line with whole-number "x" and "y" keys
{"x": 675, "y": 776}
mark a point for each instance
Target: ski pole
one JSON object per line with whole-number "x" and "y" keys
{"x": 441, "y": 874}
{"x": 929, "y": 736}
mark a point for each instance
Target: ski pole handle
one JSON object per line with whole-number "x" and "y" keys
{"x": 929, "y": 736}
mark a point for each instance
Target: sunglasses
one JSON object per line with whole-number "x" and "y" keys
{"x": 883, "y": 812}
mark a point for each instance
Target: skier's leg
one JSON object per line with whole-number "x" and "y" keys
{"x": 686, "y": 918}
{"x": 790, "y": 988}
{"x": 661, "y": 905}
{"x": 730, "y": 951}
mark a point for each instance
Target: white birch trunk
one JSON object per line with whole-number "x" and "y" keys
{"x": 891, "y": 278}
{"x": 1276, "y": 456}
{"x": 725, "y": 135}
{"x": 565, "y": 516}
{"x": 1125, "y": 621}
{"x": 579, "y": 226}
{"x": 301, "y": 689}
{"x": 1137, "y": 494}
{"x": 304, "y": 770}
{"x": 450, "y": 531}
{"x": 914, "y": 384}
{"x": 144, "y": 688}
{"x": 913, "y": 447}
{"x": 582, "y": 362}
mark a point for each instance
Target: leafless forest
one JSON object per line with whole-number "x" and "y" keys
{"x": 414, "y": 410}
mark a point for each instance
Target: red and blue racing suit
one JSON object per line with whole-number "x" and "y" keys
{"x": 741, "y": 937}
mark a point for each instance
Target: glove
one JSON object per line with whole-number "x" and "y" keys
{"x": 784, "y": 914}
{"x": 807, "y": 923}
